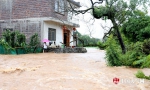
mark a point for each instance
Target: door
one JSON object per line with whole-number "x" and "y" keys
{"x": 66, "y": 38}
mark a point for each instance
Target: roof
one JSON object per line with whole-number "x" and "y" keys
{"x": 75, "y": 3}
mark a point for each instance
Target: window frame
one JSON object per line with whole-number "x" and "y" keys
{"x": 52, "y": 34}
{"x": 60, "y": 6}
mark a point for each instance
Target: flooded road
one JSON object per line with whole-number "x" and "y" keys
{"x": 52, "y": 71}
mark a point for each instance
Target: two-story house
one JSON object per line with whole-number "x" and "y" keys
{"x": 50, "y": 19}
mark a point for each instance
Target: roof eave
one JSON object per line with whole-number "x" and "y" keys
{"x": 75, "y": 3}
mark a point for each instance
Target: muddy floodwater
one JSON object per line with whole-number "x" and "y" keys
{"x": 73, "y": 71}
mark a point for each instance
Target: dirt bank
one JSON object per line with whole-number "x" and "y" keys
{"x": 52, "y": 71}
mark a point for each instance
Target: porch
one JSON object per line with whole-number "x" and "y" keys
{"x": 67, "y": 50}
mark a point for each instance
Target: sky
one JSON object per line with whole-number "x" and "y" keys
{"x": 91, "y": 26}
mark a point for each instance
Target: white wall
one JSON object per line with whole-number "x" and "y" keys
{"x": 59, "y": 37}
{"x": 59, "y": 32}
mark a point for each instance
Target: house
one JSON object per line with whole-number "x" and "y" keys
{"x": 50, "y": 19}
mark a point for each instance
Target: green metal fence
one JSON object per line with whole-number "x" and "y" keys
{"x": 20, "y": 50}
{"x": 2, "y": 50}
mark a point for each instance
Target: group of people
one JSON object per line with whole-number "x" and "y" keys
{"x": 45, "y": 46}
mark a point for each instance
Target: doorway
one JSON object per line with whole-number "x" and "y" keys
{"x": 66, "y": 38}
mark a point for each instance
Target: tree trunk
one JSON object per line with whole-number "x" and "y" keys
{"x": 118, "y": 35}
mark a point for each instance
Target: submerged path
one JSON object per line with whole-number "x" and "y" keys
{"x": 52, "y": 71}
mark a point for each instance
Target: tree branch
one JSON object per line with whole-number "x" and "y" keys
{"x": 108, "y": 32}
{"x": 86, "y": 10}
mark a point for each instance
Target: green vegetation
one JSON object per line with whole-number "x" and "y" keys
{"x": 140, "y": 74}
{"x": 101, "y": 45}
{"x": 87, "y": 41}
{"x": 112, "y": 53}
{"x": 15, "y": 42}
{"x": 137, "y": 29}
{"x": 136, "y": 34}
{"x": 34, "y": 40}
{"x": 146, "y": 46}
{"x": 134, "y": 57}
{"x": 99, "y": 12}
{"x": 13, "y": 39}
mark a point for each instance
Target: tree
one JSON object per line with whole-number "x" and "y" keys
{"x": 86, "y": 40}
{"x": 137, "y": 28}
{"x": 118, "y": 11}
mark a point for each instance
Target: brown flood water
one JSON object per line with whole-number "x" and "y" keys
{"x": 52, "y": 71}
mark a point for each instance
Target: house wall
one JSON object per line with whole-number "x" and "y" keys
{"x": 19, "y": 9}
{"x": 59, "y": 37}
{"x": 59, "y": 32}
{"x": 24, "y": 26}
{"x": 19, "y": 15}
{"x": 29, "y": 28}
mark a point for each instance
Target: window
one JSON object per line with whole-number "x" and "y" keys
{"x": 52, "y": 34}
{"x": 59, "y": 6}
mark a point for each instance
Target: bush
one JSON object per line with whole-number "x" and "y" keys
{"x": 140, "y": 74}
{"x": 5, "y": 46}
{"x": 126, "y": 60}
{"x": 112, "y": 57}
{"x": 7, "y": 36}
{"x": 146, "y": 46}
{"x": 20, "y": 40}
{"x": 13, "y": 37}
{"x": 34, "y": 40}
{"x": 101, "y": 45}
{"x": 12, "y": 41}
{"x": 134, "y": 55}
{"x": 146, "y": 62}
{"x": 113, "y": 53}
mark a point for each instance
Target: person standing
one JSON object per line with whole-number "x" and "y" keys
{"x": 44, "y": 47}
